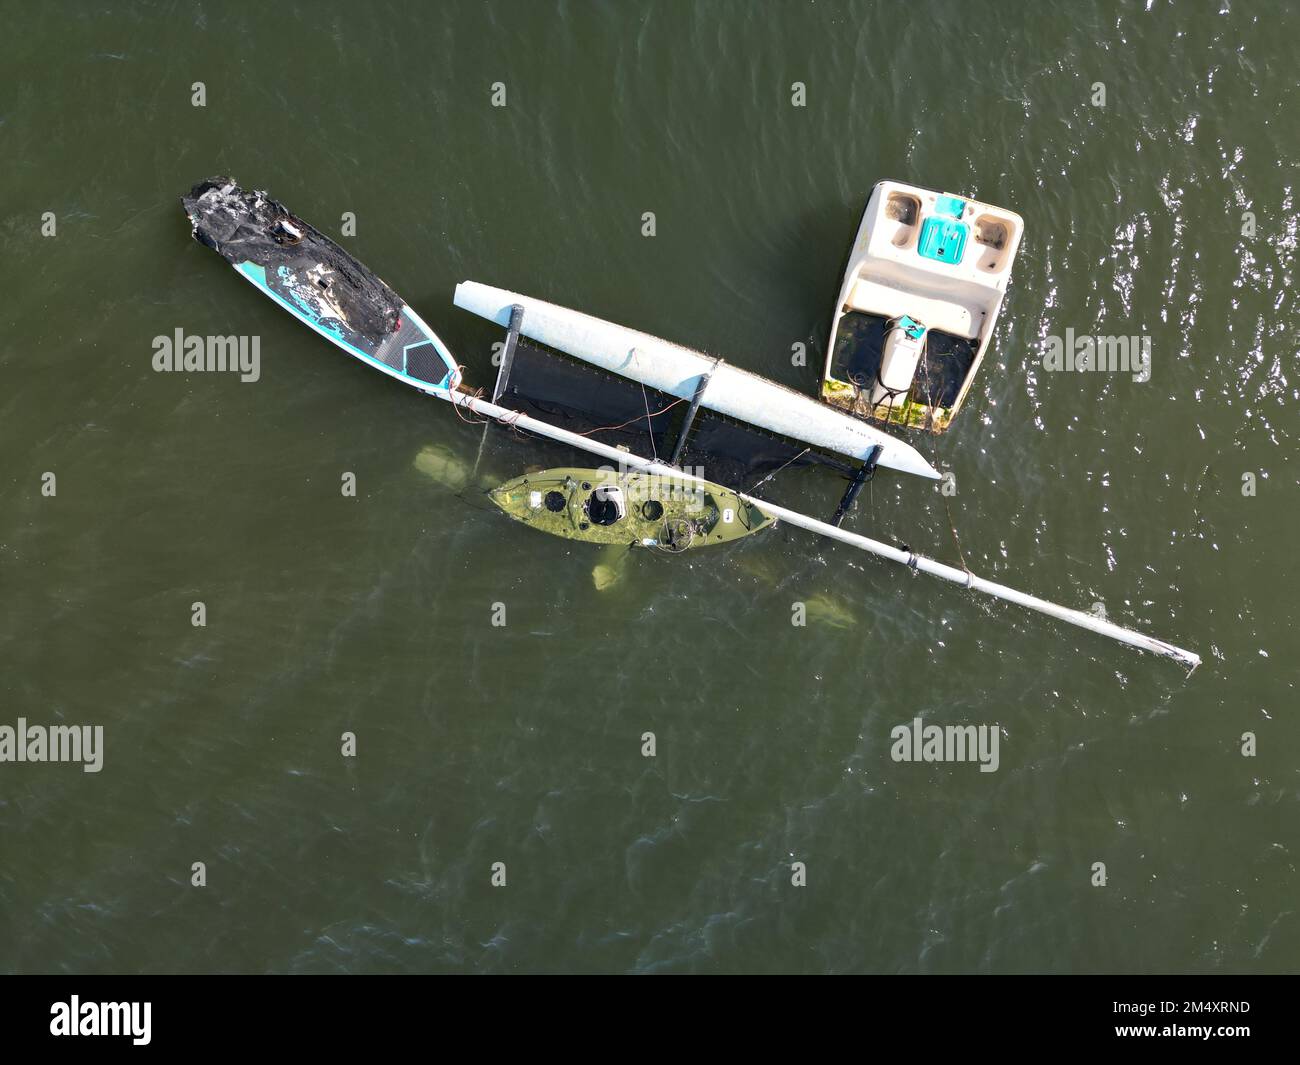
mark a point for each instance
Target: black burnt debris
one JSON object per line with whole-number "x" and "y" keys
{"x": 246, "y": 226}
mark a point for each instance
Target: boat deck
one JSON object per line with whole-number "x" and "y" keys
{"x": 859, "y": 343}
{"x": 411, "y": 352}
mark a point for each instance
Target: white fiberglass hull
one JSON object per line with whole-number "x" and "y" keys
{"x": 676, "y": 370}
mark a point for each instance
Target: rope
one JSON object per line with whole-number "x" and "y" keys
{"x": 476, "y": 394}
{"x": 646, "y": 402}
{"x": 670, "y": 544}
{"x": 777, "y": 470}
{"x": 511, "y": 421}
{"x": 611, "y": 428}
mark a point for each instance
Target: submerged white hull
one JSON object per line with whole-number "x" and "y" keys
{"x": 673, "y": 369}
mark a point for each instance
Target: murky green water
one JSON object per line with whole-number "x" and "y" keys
{"x": 522, "y": 744}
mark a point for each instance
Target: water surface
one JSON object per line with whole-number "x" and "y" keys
{"x": 522, "y": 744}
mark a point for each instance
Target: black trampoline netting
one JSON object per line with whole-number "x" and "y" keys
{"x": 616, "y": 411}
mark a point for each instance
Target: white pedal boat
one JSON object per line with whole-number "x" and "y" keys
{"x": 917, "y": 306}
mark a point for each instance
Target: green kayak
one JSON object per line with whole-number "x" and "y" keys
{"x": 609, "y": 507}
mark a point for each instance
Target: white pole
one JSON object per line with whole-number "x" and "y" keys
{"x": 864, "y": 543}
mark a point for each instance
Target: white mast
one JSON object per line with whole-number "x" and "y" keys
{"x": 863, "y": 543}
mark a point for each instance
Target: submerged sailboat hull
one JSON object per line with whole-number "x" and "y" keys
{"x": 679, "y": 371}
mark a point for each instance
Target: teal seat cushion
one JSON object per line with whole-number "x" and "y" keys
{"x": 942, "y": 240}
{"x": 949, "y": 206}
